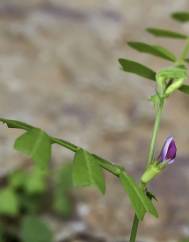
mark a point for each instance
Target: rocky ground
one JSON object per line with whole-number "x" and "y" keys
{"x": 59, "y": 71}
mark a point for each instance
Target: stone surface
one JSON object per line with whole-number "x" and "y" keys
{"x": 59, "y": 71}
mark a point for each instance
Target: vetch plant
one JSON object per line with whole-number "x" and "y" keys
{"x": 88, "y": 168}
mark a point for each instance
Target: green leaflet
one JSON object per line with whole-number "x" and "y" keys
{"x": 37, "y": 144}
{"x": 140, "y": 202}
{"x": 137, "y": 68}
{"x": 9, "y": 204}
{"x": 166, "y": 33}
{"x": 181, "y": 16}
{"x": 86, "y": 171}
{"x": 33, "y": 229}
{"x": 153, "y": 50}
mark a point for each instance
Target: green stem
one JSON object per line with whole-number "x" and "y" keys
{"x": 135, "y": 224}
{"x": 155, "y": 133}
{"x": 150, "y": 159}
{"x": 65, "y": 143}
{"x": 134, "y": 229}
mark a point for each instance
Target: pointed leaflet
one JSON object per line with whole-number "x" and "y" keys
{"x": 37, "y": 144}
{"x": 86, "y": 171}
{"x": 181, "y": 16}
{"x": 166, "y": 33}
{"x": 137, "y": 68}
{"x": 140, "y": 202}
{"x": 153, "y": 50}
{"x": 135, "y": 201}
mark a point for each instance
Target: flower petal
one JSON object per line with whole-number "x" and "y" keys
{"x": 172, "y": 150}
{"x": 165, "y": 148}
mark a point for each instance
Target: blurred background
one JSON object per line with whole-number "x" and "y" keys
{"x": 59, "y": 71}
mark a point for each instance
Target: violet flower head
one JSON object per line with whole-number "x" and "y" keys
{"x": 168, "y": 151}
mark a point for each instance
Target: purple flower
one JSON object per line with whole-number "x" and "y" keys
{"x": 168, "y": 151}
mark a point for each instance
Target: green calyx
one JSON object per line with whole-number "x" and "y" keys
{"x": 170, "y": 79}
{"x": 151, "y": 172}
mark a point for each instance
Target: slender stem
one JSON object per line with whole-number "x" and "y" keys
{"x": 135, "y": 224}
{"x": 65, "y": 143}
{"x": 154, "y": 133}
{"x": 134, "y": 229}
{"x": 150, "y": 159}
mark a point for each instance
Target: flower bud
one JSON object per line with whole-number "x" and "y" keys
{"x": 168, "y": 151}
{"x": 167, "y": 156}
